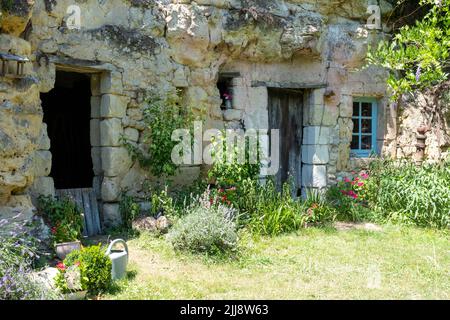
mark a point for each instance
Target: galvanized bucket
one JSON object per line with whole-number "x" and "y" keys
{"x": 119, "y": 259}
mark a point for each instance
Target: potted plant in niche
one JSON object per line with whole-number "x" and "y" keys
{"x": 227, "y": 99}
{"x": 65, "y": 221}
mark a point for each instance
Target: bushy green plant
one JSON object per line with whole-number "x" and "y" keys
{"x": 129, "y": 210}
{"x": 319, "y": 211}
{"x": 162, "y": 203}
{"x": 267, "y": 211}
{"x": 231, "y": 171}
{"x": 408, "y": 193}
{"x": 64, "y": 217}
{"x": 206, "y": 227}
{"x": 95, "y": 268}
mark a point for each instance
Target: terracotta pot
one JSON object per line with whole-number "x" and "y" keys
{"x": 63, "y": 249}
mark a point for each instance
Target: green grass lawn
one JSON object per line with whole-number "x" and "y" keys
{"x": 396, "y": 263}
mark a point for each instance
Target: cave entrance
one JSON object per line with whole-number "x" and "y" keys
{"x": 67, "y": 113}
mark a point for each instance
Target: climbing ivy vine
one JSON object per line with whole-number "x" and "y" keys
{"x": 417, "y": 56}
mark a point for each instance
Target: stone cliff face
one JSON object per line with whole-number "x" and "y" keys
{"x": 131, "y": 46}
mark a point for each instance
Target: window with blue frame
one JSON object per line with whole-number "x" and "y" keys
{"x": 364, "y": 141}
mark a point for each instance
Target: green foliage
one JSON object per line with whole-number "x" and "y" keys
{"x": 320, "y": 212}
{"x": 95, "y": 268}
{"x": 404, "y": 192}
{"x": 267, "y": 211}
{"x": 205, "y": 228}
{"x": 418, "y": 55}
{"x": 129, "y": 210}
{"x": 228, "y": 170}
{"x": 161, "y": 202}
{"x": 64, "y": 217}
{"x": 162, "y": 115}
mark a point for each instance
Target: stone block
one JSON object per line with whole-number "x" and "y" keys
{"x": 42, "y": 163}
{"x": 315, "y": 154}
{"x": 43, "y": 186}
{"x": 95, "y": 132}
{"x": 95, "y": 85}
{"x": 314, "y": 176}
{"x": 95, "y": 106}
{"x": 131, "y": 134}
{"x": 346, "y": 106}
{"x": 111, "y": 82}
{"x": 110, "y": 132}
{"x": 110, "y": 189}
{"x": 320, "y": 115}
{"x": 113, "y": 106}
{"x": 115, "y": 161}
{"x": 233, "y": 115}
{"x": 316, "y": 135}
{"x": 44, "y": 140}
{"x": 111, "y": 215}
{"x": 96, "y": 160}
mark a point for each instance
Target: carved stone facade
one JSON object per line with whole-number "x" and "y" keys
{"x": 128, "y": 47}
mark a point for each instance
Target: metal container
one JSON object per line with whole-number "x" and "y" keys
{"x": 63, "y": 249}
{"x": 119, "y": 259}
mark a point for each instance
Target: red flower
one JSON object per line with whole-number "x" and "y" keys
{"x": 360, "y": 184}
{"x": 61, "y": 266}
{"x": 53, "y": 230}
{"x": 352, "y": 194}
{"x": 364, "y": 175}
{"x": 224, "y": 198}
{"x": 347, "y": 180}
{"x": 221, "y": 190}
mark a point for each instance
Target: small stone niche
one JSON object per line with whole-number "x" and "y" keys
{"x": 12, "y": 66}
{"x": 225, "y": 88}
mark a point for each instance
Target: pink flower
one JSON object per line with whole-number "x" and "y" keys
{"x": 352, "y": 194}
{"x": 347, "y": 180}
{"x": 364, "y": 175}
{"x": 61, "y": 266}
{"x": 360, "y": 184}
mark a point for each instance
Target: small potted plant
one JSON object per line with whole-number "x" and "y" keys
{"x": 68, "y": 281}
{"x": 227, "y": 97}
{"x": 66, "y": 224}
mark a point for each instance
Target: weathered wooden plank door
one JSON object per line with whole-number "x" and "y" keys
{"x": 86, "y": 200}
{"x": 286, "y": 114}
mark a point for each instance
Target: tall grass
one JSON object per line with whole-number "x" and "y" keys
{"x": 406, "y": 193}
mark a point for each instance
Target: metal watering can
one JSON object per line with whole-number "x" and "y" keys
{"x": 119, "y": 259}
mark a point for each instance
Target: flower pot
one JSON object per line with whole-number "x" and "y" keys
{"x": 77, "y": 295}
{"x": 63, "y": 249}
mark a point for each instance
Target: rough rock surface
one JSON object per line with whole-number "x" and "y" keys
{"x": 131, "y": 47}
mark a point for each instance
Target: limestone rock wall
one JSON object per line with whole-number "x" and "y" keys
{"x": 131, "y": 46}
{"x": 20, "y": 116}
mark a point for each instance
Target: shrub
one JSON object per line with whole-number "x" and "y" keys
{"x": 207, "y": 227}
{"x": 319, "y": 211}
{"x": 404, "y": 192}
{"x": 129, "y": 210}
{"x": 162, "y": 203}
{"x": 233, "y": 173}
{"x": 267, "y": 211}
{"x": 64, "y": 218}
{"x": 18, "y": 251}
{"x": 95, "y": 268}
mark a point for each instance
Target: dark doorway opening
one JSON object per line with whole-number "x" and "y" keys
{"x": 67, "y": 113}
{"x": 286, "y": 114}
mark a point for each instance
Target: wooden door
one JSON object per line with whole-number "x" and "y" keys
{"x": 286, "y": 114}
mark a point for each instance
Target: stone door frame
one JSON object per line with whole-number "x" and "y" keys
{"x": 108, "y": 110}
